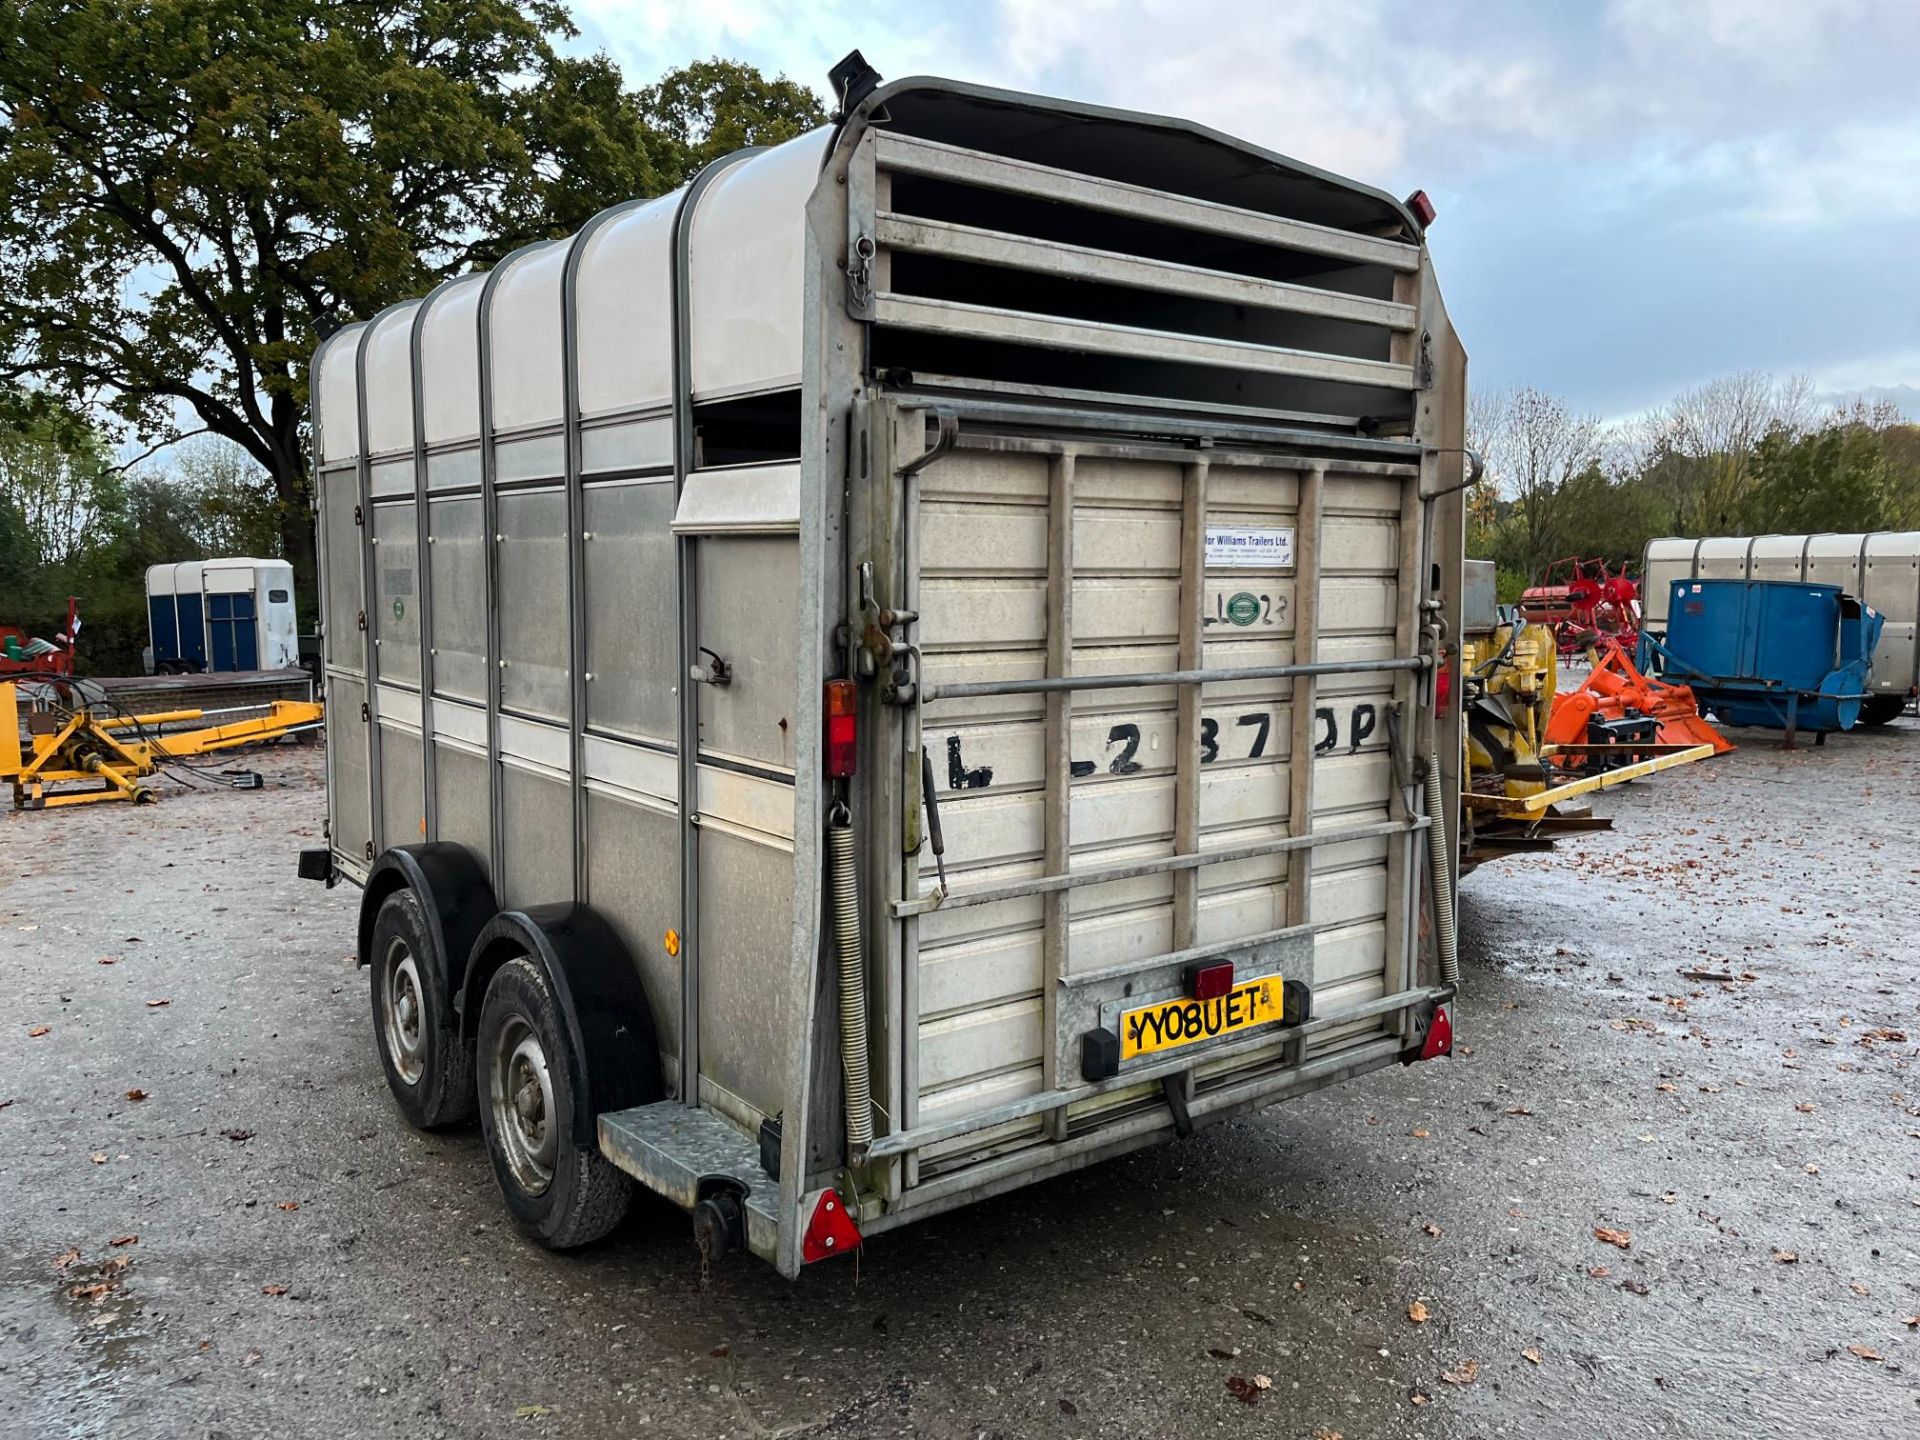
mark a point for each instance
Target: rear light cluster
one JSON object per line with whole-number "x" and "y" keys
{"x": 1210, "y": 982}
{"x": 843, "y": 734}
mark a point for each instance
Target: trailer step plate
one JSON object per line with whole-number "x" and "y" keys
{"x": 1170, "y": 1024}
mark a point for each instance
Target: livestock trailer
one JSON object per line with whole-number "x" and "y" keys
{"x": 229, "y": 614}
{"x": 910, "y": 665}
{"x": 1881, "y": 569}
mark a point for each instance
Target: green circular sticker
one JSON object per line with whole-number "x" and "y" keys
{"x": 1243, "y": 608}
{"x": 399, "y": 608}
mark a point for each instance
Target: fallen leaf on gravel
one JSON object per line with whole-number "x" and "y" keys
{"x": 1418, "y": 1313}
{"x": 1859, "y": 1289}
{"x": 136, "y": 1095}
{"x": 1468, "y": 1372}
{"x": 96, "y": 1292}
{"x": 108, "y": 960}
{"x": 1067, "y": 1407}
{"x": 37, "y": 1031}
{"x": 1242, "y": 1389}
{"x": 156, "y": 1004}
{"x": 1666, "y": 1087}
{"x": 273, "y": 1289}
{"x": 288, "y": 1205}
{"x": 1709, "y": 1089}
{"x": 534, "y": 1412}
{"x": 1531, "y": 1355}
{"x": 99, "y": 1157}
{"x": 1669, "y": 1198}
{"x": 1805, "y": 1107}
{"x": 120, "y": 1240}
{"x": 1263, "y": 1382}
{"x": 1865, "y": 1352}
{"x": 1912, "y": 1322}
{"x": 252, "y": 1357}
{"x": 1419, "y": 1134}
{"x": 1621, "y": 1238}
{"x": 66, "y": 1257}
{"x": 1811, "y": 1168}
{"x": 1219, "y": 1354}
{"x": 1598, "y": 1272}
{"x": 1633, "y": 1287}
{"x": 1786, "y": 1257}
{"x": 1299, "y": 1285}
{"x": 1518, "y": 1110}
{"x": 237, "y": 1136}
{"x": 1325, "y": 1434}
{"x": 1419, "y": 1397}
{"x": 1434, "y": 1230}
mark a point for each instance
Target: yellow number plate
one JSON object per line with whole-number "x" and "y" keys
{"x": 1173, "y": 1023}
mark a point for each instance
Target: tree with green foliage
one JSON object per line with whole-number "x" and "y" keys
{"x": 191, "y": 184}
{"x": 1834, "y": 479}
{"x": 713, "y": 107}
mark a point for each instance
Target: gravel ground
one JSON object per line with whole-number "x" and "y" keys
{"x": 306, "y": 1265}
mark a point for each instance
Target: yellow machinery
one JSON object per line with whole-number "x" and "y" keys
{"x": 1518, "y": 784}
{"x": 74, "y": 747}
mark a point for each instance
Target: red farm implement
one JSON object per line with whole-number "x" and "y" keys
{"x": 1584, "y": 603}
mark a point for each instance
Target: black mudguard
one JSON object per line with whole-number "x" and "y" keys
{"x": 598, "y": 987}
{"x": 454, "y": 892}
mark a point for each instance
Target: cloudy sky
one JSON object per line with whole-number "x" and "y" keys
{"x": 1635, "y": 195}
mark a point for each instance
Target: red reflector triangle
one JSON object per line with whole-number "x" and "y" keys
{"x": 1439, "y": 1035}
{"x": 830, "y": 1230}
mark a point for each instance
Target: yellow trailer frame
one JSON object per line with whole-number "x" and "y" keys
{"x": 1523, "y": 807}
{"x": 83, "y": 748}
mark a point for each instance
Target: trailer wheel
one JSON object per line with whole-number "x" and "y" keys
{"x": 1881, "y": 709}
{"x": 558, "y": 1192}
{"x": 429, "y": 1068}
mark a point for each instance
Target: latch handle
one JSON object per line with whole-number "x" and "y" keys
{"x": 711, "y": 671}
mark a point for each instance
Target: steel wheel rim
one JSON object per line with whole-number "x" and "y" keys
{"x": 520, "y": 1091}
{"x": 405, "y": 1012}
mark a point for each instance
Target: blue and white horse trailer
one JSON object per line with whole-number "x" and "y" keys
{"x": 221, "y": 615}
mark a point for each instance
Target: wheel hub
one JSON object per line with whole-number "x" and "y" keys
{"x": 405, "y": 1027}
{"x": 520, "y": 1088}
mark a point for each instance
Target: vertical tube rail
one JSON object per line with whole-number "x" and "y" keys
{"x": 1057, "y": 795}
{"x": 1306, "y": 689}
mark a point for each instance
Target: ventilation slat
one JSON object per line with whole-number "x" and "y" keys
{"x": 906, "y": 156}
{"x": 949, "y": 317}
{"x": 1080, "y": 262}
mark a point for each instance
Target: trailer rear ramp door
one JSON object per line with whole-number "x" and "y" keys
{"x": 1113, "y": 821}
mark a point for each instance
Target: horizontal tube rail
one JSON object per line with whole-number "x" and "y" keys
{"x": 1052, "y": 684}
{"x": 905, "y": 1141}
{"x": 908, "y": 156}
{"x": 1084, "y": 262}
{"x": 1055, "y": 332}
{"x": 1165, "y": 864}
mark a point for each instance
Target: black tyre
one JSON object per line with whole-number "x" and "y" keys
{"x": 558, "y": 1192}
{"x": 1881, "y": 709}
{"x": 429, "y": 1069}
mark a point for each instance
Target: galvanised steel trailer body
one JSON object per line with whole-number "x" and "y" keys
{"x": 1880, "y": 569}
{"x": 903, "y": 668}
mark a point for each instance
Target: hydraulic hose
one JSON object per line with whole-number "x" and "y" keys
{"x": 1442, "y": 875}
{"x": 844, "y": 899}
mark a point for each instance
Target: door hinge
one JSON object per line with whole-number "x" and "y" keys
{"x": 369, "y": 850}
{"x": 366, "y": 713}
{"x": 363, "y": 620}
{"x": 359, "y": 518}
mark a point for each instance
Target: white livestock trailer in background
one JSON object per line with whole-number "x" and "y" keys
{"x": 910, "y": 665}
{"x": 231, "y": 614}
{"x": 1881, "y": 568}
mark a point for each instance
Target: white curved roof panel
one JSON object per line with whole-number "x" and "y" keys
{"x": 745, "y": 256}
{"x": 624, "y": 294}
{"x": 390, "y": 381}
{"x": 450, "y": 362}
{"x": 336, "y": 391}
{"x": 524, "y": 335}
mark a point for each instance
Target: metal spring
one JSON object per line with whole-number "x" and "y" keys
{"x": 844, "y": 898}
{"x": 1442, "y": 875}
